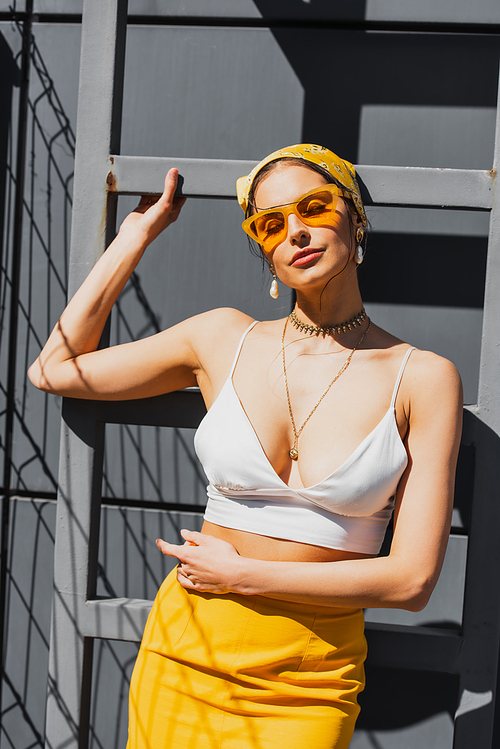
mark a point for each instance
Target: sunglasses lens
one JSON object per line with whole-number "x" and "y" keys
{"x": 268, "y": 226}
{"x": 315, "y": 208}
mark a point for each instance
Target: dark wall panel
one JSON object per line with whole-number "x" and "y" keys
{"x": 402, "y": 710}
{"x": 10, "y": 45}
{"x": 211, "y": 93}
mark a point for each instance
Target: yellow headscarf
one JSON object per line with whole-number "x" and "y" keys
{"x": 342, "y": 170}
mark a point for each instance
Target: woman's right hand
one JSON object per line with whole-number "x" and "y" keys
{"x": 153, "y": 214}
{"x": 70, "y": 363}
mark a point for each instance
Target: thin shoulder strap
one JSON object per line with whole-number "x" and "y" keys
{"x": 240, "y": 344}
{"x": 400, "y": 375}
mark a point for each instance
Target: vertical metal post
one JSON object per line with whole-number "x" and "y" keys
{"x": 13, "y": 325}
{"x": 81, "y": 454}
{"x": 481, "y": 620}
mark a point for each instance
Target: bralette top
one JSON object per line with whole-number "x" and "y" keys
{"x": 348, "y": 510}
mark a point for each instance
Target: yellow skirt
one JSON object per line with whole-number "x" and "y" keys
{"x": 245, "y": 672}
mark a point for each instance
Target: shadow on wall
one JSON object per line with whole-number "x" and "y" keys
{"x": 9, "y": 79}
{"x": 394, "y": 699}
{"x": 341, "y": 71}
{"x": 431, "y": 268}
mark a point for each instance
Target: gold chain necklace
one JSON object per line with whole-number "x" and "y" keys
{"x": 317, "y": 330}
{"x": 294, "y": 452}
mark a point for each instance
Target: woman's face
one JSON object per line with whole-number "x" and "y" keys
{"x": 310, "y": 255}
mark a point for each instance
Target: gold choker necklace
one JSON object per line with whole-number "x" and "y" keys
{"x": 316, "y": 330}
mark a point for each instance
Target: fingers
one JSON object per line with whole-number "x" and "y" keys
{"x": 192, "y": 537}
{"x": 171, "y": 178}
{"x": 168, "y": 198}
{"x": 184, "y": 580}
{"x": 168, "y": 204}
{"x": 170, "y": 186}
{"x": 178, "y": 550}
{"x": 170, "y": 550}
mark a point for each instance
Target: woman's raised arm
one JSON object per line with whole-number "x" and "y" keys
{"x": 69, "y": 363}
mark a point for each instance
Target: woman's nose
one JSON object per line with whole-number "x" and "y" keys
{"x": 297, "y": 230}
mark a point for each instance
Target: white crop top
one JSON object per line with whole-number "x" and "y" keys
{"x": 348, "y": 510}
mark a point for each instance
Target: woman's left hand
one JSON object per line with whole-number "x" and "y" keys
{"x": 206, "y": 564}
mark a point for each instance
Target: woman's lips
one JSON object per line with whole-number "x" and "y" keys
{"x": 305, "y": 257}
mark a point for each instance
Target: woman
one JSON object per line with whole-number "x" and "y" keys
{"x": 256, "y": 639}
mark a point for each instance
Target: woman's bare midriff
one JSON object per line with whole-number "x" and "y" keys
{"x": 254, "y": 546}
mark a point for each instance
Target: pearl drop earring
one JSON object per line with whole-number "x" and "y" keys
{"x": 274, "y": 291}
{"x": 359, "y": 255}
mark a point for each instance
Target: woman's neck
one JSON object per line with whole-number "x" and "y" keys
{"x": 329, "y": 309}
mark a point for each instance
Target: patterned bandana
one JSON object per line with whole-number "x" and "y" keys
{"x": 343, "y": 171}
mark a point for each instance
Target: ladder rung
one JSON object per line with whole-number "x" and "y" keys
{"x": 390, "y": 645}
{"x": 182, "y": 408}
{"x": 420, "y": 648}
{"x": 116, "y": 618}
{"x": 381, "y": 185}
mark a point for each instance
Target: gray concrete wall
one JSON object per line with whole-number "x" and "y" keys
{"x": 380, "y": 98}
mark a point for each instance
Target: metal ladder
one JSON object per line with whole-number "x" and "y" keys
{"x": 79, "y": 617}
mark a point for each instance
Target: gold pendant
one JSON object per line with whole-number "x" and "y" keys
{"x": 294, "y": 453}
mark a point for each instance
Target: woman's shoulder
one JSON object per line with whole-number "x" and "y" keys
{"x": 433, "y": 378}
{"x": 428, "y": 376}
{"x": 216, "y": 330}
{"x": 233, "y": 324}
{"x": 432, "y": 400}
{"x": 221, "y": 320}
{"x": 429, "y": 365}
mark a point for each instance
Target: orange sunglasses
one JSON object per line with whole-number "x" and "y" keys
{"x": 315, "y": 208}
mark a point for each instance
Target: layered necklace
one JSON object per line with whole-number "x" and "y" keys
{"x": 294, "y": 451}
